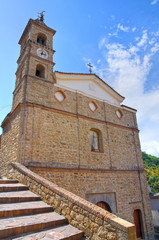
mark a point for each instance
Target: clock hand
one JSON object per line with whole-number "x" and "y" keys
{"x": 42, "y": 53}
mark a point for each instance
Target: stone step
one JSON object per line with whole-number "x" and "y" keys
{"x": 66, "y": 232}
{"x": 2, "y": 181}
{"x": 19, "y": 225}
{"x": 23, "y": 208}
{"x": 18, "y": 196}
{"x": 24, "y": 216}
{"x": 12, "y": 187}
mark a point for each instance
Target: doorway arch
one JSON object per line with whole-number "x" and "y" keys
{"x": 104, "y": 205}
{"x": 137, "y": 215}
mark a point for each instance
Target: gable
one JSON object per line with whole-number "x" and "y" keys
{"x": 89, "y": 84}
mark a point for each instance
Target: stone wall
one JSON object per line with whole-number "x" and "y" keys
{"x": 124, "y": 185}
{"x": 10, "y": 141}
{"x": 96, "y": 223}
{"x": 63, "y": 129}
{"x": 68, "y": 142}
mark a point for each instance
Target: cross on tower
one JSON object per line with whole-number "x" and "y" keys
{"x": 90, "y": 67}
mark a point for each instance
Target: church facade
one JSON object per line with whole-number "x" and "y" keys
{"x": 73, "y": 130}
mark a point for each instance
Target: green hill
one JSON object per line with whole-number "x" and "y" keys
{"x": 151, "y": 165}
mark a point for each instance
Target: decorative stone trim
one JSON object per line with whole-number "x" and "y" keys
{"x": 119, "y": 114}
{"x": 97, "y": 223}
{"x": 20, "y": 105}
{"x": 62, "y": 94}
{"x": 92, "y": 106}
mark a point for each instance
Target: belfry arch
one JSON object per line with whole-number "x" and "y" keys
{"x": 40, "y": 71}
{"x": 41, "y": 38}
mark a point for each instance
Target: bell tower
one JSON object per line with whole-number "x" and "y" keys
{"x": 36, "y": 57}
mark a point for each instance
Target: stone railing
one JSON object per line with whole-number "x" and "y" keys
{"x": 95, "y": 222}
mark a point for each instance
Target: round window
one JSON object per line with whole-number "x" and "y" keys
{"x": 92, "y": 106}
{"x": 60, "y": 96}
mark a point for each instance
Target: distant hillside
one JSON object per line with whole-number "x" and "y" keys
{"x": 151, "y": 165}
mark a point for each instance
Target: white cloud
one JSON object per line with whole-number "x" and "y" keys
{"x": 152, "y": 41}
{"x": 119, "y": 28}
{"x": 143, "y": 40}
{"x": 154, "y": 2}
{"x": 156, "y": 34}
{"x": 102, "y": 42}
{"x": 151, "y": 147}
{"x": 122, "y": 28}
{"x": 133, "y": 29}
{"x": 115, "y": 34}
{"x": 127, "y": 70}
{"x": 155, "y": 48}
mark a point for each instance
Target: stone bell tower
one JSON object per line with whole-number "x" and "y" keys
{"x": 36, "y": 58}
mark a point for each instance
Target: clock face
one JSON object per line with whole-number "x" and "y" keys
{"x": 42, "y": 53}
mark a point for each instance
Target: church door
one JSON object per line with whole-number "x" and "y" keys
{"x": 104, "y": 205}
{"x": 138, "y": 223}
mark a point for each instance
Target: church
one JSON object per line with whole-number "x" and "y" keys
{"x": 72, "y": 129}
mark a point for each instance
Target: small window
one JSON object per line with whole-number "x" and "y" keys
{"x": 119, "y": 114}
{"x": 92, "y": 106}
{"x": 60, "y": 96}
{"x": 95, "y": 140}
{"x": 41, "y": 38}
{"x": 40, "y": 71}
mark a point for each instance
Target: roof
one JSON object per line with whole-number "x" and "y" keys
{"x": 93, "y": 76}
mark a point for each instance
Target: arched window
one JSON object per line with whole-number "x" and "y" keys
{"x": 40, "y": 71}
{"x": 137, "y": 215}
{"x": 41, "y": 38}
{"x": 104, "y": 205}
{"x": 95, "y": 140}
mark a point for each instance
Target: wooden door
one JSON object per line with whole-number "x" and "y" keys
{"x": 138, "y": 223}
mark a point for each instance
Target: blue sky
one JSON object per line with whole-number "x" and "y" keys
{"x": 119, "y": 37}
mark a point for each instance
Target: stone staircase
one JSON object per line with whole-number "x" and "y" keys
{"x": 24, "y": 216}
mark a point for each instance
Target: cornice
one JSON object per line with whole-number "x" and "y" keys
{"x": 44, "y": 167}
{"x": 29, "y": 104}
{"x": 42, "y": 46}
